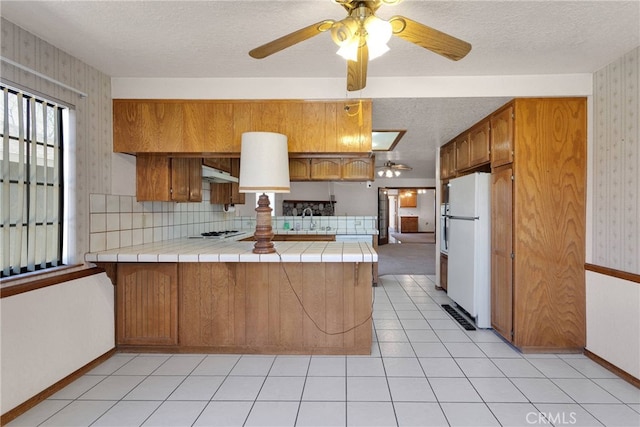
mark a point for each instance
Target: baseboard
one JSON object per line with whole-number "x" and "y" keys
{"x": 49, "y": 391}
{"x": 613, "y": 368}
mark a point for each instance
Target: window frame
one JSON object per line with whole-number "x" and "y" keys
{"x": 60, "y": 125}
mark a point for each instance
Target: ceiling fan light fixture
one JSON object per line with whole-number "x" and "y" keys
{"x": 396, "y": 173}
{"x": 344, "y": 31}
{"x": 349, "y": 50}
{"x": 378, "y": 34}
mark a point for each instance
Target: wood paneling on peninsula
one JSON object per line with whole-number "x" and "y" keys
{"x": 216, "y": 126}
{"x": 252, "y": 307}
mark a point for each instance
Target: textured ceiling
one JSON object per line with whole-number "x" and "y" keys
{"x": 212, "y": 39}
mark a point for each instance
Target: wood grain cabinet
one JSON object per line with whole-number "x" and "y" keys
{"x": 448, "y": 161}
{"x": 161, "y": 178}
{"x": 326, "y": 169}
{"x": 358, "y": 169}
{"x": 220, "y": 163}
{"x": 502, "y": 148}
{"x": 408, "y": 224}
{"x": 479, "y": 147}
{"x": 147, "y": 126}
{"x": 147, "y": 304}
{"x": 538, "y": 224}
{"x": 299, "y": 169}
{"x": 408, "y": 199}
{"x": 462, "y": 152}
{"x": 228, "y": 192}
{"x": 216, "y": 126}
{"x": 331, "y": 168}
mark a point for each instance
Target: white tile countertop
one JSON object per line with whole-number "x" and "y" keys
{"x": 228, "y": 250}
{"x": 350, "y": 231}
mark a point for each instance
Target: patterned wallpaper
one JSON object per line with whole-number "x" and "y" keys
{"x": 616, "y": 164}
{"x": 93, "y": 144}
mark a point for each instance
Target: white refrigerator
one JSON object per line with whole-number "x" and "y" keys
{"x": 469, "y": 268}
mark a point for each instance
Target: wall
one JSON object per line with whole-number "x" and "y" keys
{"x": 49, "y": 333}
{"x": 613, "y": 233}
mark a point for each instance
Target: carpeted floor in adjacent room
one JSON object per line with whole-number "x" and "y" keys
{"x": 407, "y": 258}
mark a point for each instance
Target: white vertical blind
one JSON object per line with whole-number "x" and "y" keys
{"x": 5, "y": 256}
{"x": 30, "y": 191}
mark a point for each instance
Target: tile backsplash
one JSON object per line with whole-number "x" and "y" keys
{"x": 121, "y": 221}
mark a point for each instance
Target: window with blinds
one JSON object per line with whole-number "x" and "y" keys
{"x": 31, "y": 183}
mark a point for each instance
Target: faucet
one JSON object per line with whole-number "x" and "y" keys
{"x": 312, "y": 225}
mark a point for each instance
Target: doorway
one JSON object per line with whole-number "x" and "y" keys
{"x": 406, "y": 205}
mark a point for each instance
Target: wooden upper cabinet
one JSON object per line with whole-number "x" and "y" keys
{"x": 299, "y": 169}
{"x": 221, "y": 163}
{"x": 147, "y": 126}
{"x": 502, "y": 136}
{"x": 153, "y": 178}
{"x": 462, "y": 152}
{"x": 408, "y": 199}
{"x": 358, "y": 169}
{"x": 216, "y": 126}
{"x": 161, "y": 178}
{"x": 448, "y": 161}
{"x": 186, "y": 180}
{"x": 326, "y": 169}
{"x": 237, "y": 198}
{"x": 479, "y": 149}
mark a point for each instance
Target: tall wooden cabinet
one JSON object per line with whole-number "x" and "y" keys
{"x": 538, "y": 223}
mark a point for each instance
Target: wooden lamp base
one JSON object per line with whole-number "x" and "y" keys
{"x": 264, "y": 231}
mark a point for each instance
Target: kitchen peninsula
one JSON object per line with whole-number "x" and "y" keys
{"x": 200, "y": 295}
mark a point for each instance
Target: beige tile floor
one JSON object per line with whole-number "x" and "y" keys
{"x": 424, "y": 370}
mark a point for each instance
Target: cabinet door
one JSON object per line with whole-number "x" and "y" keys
{"x": 448, "y": 161}
{"x": 408, "y": 224}
{"x": 195, "y": 180}
{"x": 479, "y": 153}
{"x": 501, "y": 250}
{"x": 462, "y": 152}
{"x": 237, "y": 198}
{"x": 408, "y": 199}
{"x": 153, "y": 178}
{"x": 180, "y": 180}
{"x": 326, "y": 169}
{"x": 223, "y": 164}
{"x": 147, "y": 304}
{"x": 502, "y": 137}
{"x": 147, "y": 126}
{"x": 299, "y": 169}
{"x": 220, "y": 193}
{"x": 358, "y": 169}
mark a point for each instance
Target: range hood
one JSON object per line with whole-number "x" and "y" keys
{"x": 217, "y": 176}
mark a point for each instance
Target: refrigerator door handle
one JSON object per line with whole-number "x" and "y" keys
{"x": 464, "y": 218}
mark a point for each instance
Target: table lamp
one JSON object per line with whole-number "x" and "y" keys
{"x": 264, "y": 167}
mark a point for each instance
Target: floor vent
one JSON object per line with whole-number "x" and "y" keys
{"x": 458, "y": 317}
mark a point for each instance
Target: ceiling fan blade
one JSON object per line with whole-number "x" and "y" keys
{"x": 290, "y": 39}
{"x": 429, "y": 38}
{"x": 357, "y": 70}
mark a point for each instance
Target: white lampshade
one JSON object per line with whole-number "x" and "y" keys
{"x": 264, "y": 163}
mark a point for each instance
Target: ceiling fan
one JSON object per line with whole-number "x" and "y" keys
{"x": 391, "y": 169}
{"x": 362, "y": 36}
